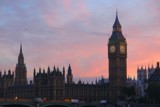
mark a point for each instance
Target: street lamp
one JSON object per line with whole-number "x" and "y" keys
{"x": 103, "y": 102}
{"x": 44, "y": 99}
{"x": 16, "y": 98}
{"x": 74, "y": 101}
{"x": 37, "y": 101}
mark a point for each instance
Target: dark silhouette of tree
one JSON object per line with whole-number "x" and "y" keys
{"x": 153, "y": 92}
{"x": 130, "y": 92}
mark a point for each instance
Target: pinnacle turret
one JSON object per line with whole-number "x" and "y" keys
{"x": 20, "y": 57}
{"x": 69, "y": 75}
{"x": 69, "y": 70}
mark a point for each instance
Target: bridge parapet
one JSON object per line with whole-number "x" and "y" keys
{"x": 69, "y": 104}
{"x": 47, "y": 104}
{"x": 27, "y": 104}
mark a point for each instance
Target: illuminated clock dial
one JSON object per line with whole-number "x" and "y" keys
{"x": 122, "y": 49}
{"x": 112, "y": 49}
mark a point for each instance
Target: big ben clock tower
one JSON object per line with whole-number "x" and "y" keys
{"x": 117, "y": 54}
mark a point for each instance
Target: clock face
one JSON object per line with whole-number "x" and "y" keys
{"x": 112, "y": 49}
{"x": 122, "y": 49}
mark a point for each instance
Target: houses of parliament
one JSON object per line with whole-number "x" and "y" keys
{"x": 50, "y": 83}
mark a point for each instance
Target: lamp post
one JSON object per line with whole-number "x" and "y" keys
{"x": 103, "y": 103}
{"x": 37, "y": 101}
{"x": 44, "y": 99}
{"x": 74, "y": 102}
{"x": 16, "y": 98}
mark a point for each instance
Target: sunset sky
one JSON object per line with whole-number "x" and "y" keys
{"x": 76, "y": 32}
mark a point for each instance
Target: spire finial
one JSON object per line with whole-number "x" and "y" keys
{"x": 116, "y": 12}
{"x": 20, "y": 57}
{"x": 21, "y": 47}
{"x": 117, "y": 25}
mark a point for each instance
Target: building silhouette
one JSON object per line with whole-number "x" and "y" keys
{"x": 21, "y": 70}
{"x": 144, "y": 74}
{"x": 155, "y": 76}
{"x": 117, "y": 54}
{"x": 143, "y": 78}
{"x": 141, "y": 74}
{"x": 50, "y": 84}
{"x": 150, "y": 71}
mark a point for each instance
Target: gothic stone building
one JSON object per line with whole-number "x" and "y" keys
{"x": 141, "y": 74}
{"x": 155, "y": 76}
{"x": 51, "y": 85}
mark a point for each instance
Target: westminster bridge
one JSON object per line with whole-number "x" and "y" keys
{"x": 66, "y": 104}
{"x": 31, "y": 103}
{"x": 48, "y": 104}
{"x": 39, "y": 103}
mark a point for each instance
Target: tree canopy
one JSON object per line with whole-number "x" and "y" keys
{"x": 153, "y": 92}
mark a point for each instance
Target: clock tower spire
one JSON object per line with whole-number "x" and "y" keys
{"x": 117, "y": 54}
{"x": 117, "y": 25}
{"x": 21, "y": 70}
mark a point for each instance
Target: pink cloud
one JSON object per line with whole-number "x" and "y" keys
{"x": 49, "y": 20}
{"x": 77, "y": 9}
{"x": 67, "y": 4}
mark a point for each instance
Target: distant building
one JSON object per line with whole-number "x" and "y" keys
{"x": 49, "y": 84}
{"x": 140, "y": 89}
{"x": 150, "y": 71}
{"x": 141, "y": 74}
{"x": 6, "y": 80}
{"x": 131, "y": 82}
{"x": 144, "y": 74}
{"x": 141, "y": 84}
{"x": 155, "y": 76}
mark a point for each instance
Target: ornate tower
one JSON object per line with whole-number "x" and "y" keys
{"x": 117, "y": 54}
{"x": 21, "y": 71}
{"x": 69, "y": 75}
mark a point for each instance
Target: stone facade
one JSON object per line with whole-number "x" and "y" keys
{"x": 6, "y": 80}
{"x": 144, "y": 74}
{"x": 150, "y": 71}
{"x": 155, "y": 76}
{"x": 141, "y": 74}
{"x": 21, "y": 70}
{"x": 117, "y": 54}
{"x": 49, "y": 84}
